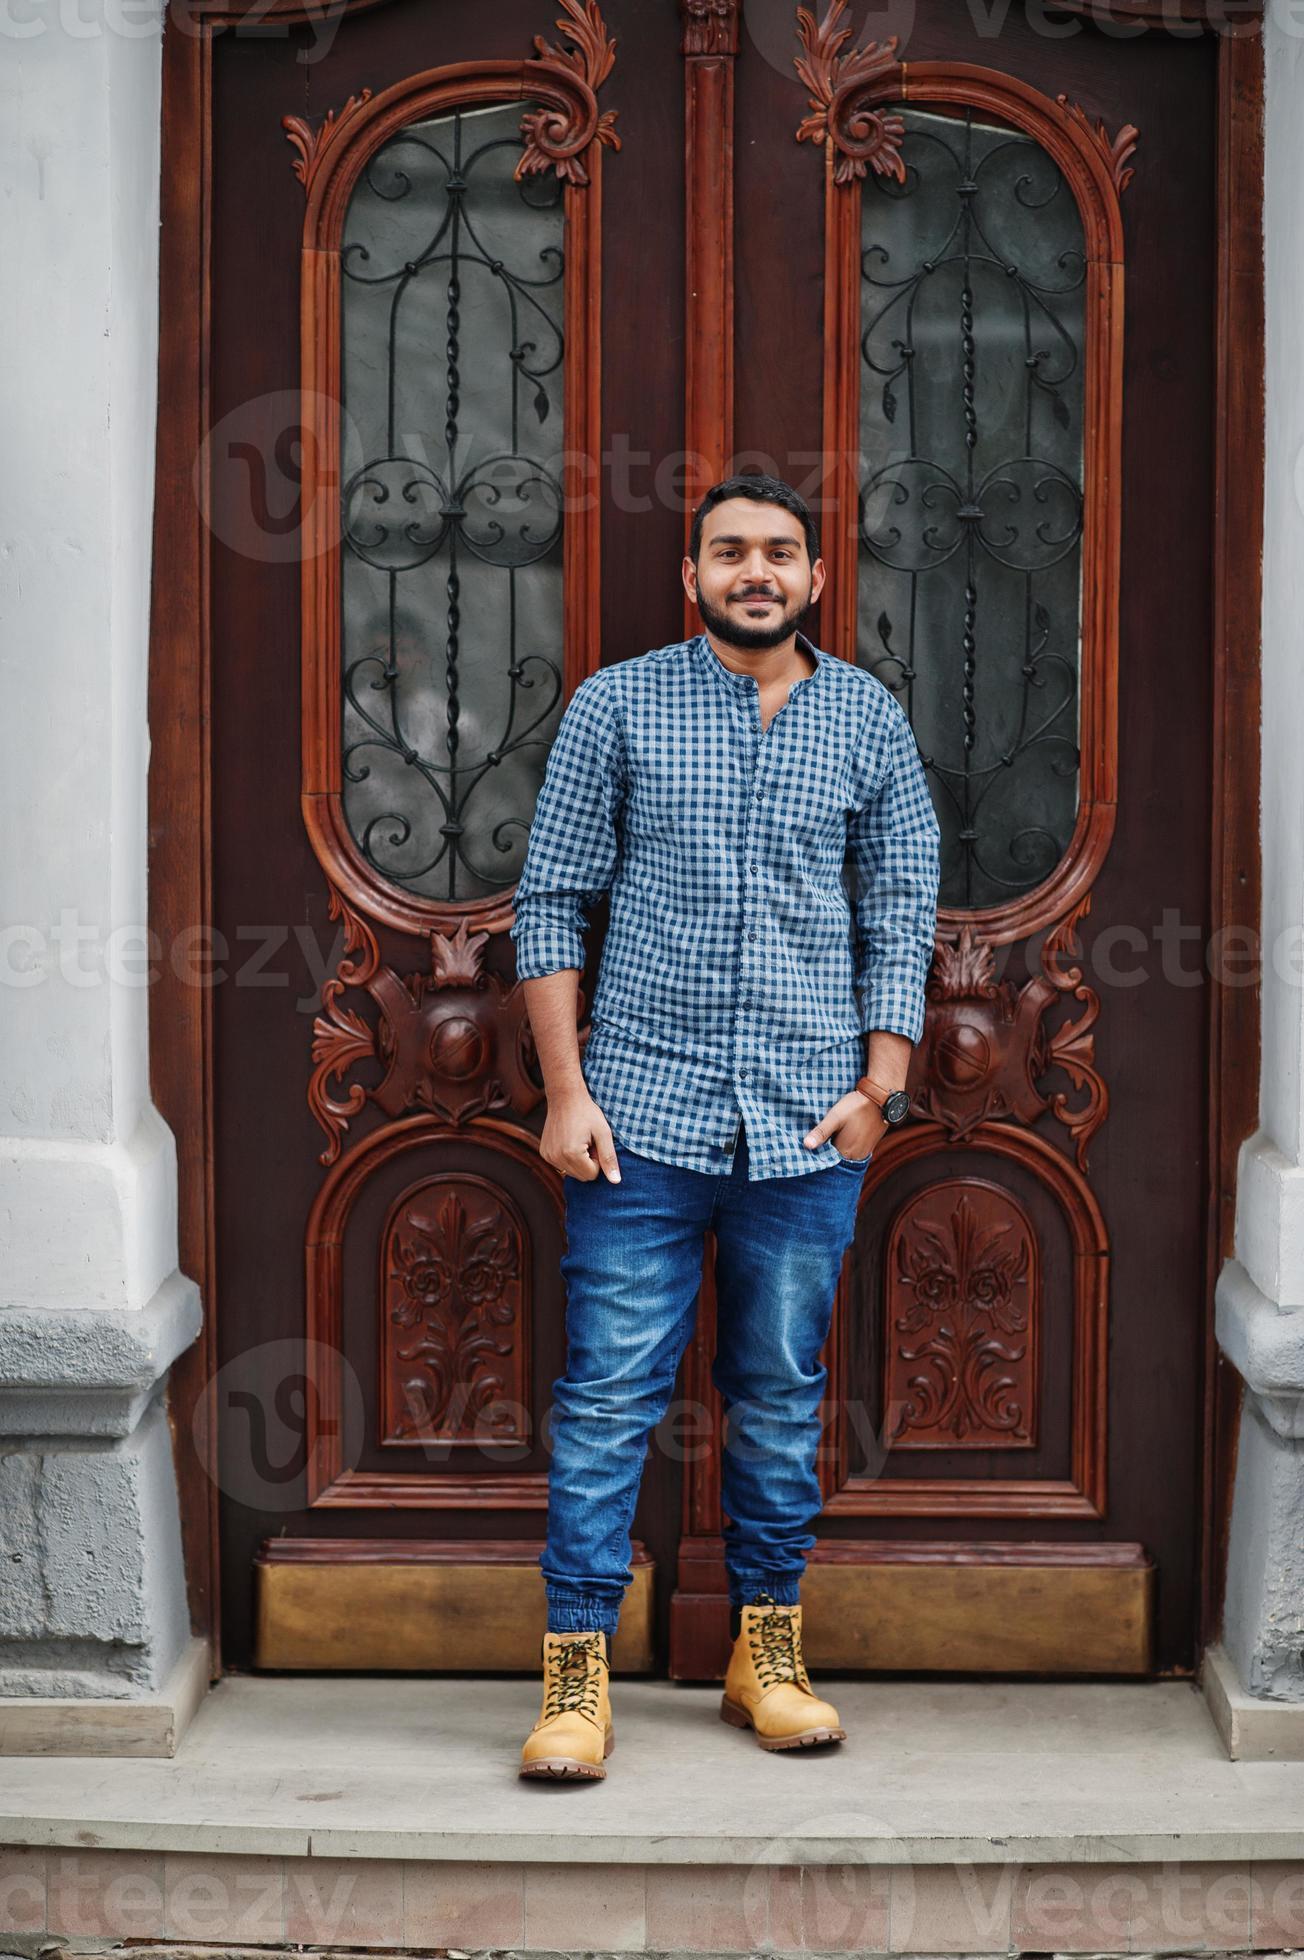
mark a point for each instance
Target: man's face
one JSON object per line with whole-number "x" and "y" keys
{"x": 753, "y": 579}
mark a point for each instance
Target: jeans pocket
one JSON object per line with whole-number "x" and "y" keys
{"x": 853, "y": 1163}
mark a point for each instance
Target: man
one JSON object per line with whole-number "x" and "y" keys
{"x": 750, "y": 1039}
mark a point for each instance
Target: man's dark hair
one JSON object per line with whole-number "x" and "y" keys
{"x": 762, "y": 490}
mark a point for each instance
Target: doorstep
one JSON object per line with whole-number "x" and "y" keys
{"x": 959, "y": 1816}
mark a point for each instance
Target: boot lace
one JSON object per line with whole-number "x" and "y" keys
{"x": 573, "y": 1683}
{"x": 772, "y": 1637}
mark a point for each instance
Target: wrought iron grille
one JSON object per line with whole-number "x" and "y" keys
{"x": 451, "y": 434}
{"x": 970, "y": 519}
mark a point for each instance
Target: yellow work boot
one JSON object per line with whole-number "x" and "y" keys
{"x": 574, "y": 1733}
{"x": 766, "y": 1686}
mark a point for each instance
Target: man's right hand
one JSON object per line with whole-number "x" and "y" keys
{"x": 576, "y": 1138}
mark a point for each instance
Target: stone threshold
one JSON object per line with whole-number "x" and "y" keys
{"x": 933, "y": 1771}
{"x": 979, "y": 1817}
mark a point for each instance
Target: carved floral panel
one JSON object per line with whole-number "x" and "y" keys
{"x": 961, "y": 1321}
{"x": 455, "y": 1333}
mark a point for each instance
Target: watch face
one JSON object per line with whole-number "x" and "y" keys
{"x": 897, "y": 1106}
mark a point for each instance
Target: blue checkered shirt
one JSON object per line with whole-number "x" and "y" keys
{"x": 740, "y": 974}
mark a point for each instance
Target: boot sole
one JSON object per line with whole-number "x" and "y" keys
{"x": 569, "y": 1768}
{"x": 738, "y": 1718}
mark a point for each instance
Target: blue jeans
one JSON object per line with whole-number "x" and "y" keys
{"x": 633, "y": 1269}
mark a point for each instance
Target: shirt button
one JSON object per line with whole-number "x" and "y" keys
{"x": 751, "y": 935}
{"x": 743, "y": 1074}
{"x": 754, "y": 869}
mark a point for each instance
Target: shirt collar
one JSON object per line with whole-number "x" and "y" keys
{"x": 744, "y": 682}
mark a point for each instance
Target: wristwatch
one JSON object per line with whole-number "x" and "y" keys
{"x": 894, "y": 1103}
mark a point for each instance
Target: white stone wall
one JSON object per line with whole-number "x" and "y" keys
{"x": 87, "y": 1179}
{"x": 92, "y": 1309}
{"x": 1261, "y": 1292}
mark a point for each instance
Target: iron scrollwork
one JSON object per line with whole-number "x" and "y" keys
{"x": 971, "y": 534}
{"x": 417, "y": 802}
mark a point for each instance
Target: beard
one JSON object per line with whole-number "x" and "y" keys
{"x": 736, "y": 632}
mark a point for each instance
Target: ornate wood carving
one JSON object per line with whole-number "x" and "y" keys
{"x": 1072, "y": 1045}
{"x": 331, "y": 1481}
{"x": 1115, "y": 150}
{"x": 711, "y": 26}
{"x": 565, "y": 130}
{"x": 341, "y": 1037}
{"x": 962, "y": 1306}
{"x": 453, "y": 1278}
{"x": 857, "y": 136}
{"x": 1082, "y": 1494}
{"x": 986, "y": 1044}
{"x": 556, "y": 138}
{"x": 848, "y": 88}
{"x": 312, "y": 144}
{"x": 455, "y": 1040}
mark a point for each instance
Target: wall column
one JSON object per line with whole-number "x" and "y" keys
{"x": 92, "y": 1308}
{"x": 1260, "y": 1293}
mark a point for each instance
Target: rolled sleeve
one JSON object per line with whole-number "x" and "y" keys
{"x": 574, "y": 840}
{"x": 894, "y": 841}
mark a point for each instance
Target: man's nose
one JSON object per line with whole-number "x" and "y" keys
{"x": 756, "y": 571}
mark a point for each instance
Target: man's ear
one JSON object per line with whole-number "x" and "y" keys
{"x": 688, "y": 572}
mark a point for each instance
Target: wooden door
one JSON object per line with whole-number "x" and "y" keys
{"x": 459, "y": 254}
{"x": 449, "y": 238}
{"x": 1004, "y": 243}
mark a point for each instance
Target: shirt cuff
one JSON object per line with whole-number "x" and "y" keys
{"x": 892, "y": 1008}
{"x": 547, "y": 939}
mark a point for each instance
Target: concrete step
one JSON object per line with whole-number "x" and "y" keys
{"x": 974, "y": 1817}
